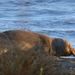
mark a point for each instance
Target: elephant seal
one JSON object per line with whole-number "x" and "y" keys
{"x": 27, "y": 39}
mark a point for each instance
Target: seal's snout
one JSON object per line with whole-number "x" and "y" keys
{"x": 73, "y": 51}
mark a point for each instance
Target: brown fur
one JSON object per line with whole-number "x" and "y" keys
{"x": 26, "y": 40}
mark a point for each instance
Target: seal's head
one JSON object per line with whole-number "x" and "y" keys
{"x": 62, "y": 47}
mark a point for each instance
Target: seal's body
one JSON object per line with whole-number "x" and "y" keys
{"x": 26, "y": 40}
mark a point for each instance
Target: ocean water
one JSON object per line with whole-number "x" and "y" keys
{"x": 55, "y": 18}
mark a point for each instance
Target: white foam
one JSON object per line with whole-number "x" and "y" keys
{"x": 68, "y": 30}
{"x": 71, "y": 56}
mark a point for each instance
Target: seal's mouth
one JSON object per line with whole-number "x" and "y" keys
{"x": 67, "y": 53}
{"x": 70, "y": 52}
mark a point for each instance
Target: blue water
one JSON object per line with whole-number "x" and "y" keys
{"x": 55, "y": 18}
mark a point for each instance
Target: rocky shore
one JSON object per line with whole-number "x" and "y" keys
{"x": 34, "y": 62}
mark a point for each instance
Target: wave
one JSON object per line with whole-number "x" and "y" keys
{"x": 54, "y": 30}
{"x": 49, "y": 1}
{"x": 32, "y": 2}
{"x": 50, "y": 12}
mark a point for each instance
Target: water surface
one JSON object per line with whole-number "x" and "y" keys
{"x": 55, "y": 18}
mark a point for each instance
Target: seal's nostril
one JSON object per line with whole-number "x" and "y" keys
{"x": 70, "y": 51}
